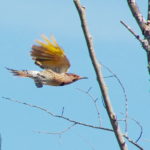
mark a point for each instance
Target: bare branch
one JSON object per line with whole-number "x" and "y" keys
{"x": 131, "y": 30}
{"x": 144, "y": 26}
{"x": 59, "y": 132}
{"x": 62, "y": 112}
{"x": 125, "y": 96}
{"x": 139, "y": 125}
{"x": 136, "y": 13}
{"x": 145, "y": 42}
{"x": 95, "y": 104}
{"x": 134, "y": 143}
{"x": 57, "y": 116}
{"x": 141, "y": 129}
{"x": 101, "y": 82}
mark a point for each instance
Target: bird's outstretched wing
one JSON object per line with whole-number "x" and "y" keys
{"x": 49, "y": 55}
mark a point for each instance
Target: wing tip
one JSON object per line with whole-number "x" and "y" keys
{"x": 49, "y": 54}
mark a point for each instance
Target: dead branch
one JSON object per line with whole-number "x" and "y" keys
{"x": 58, "y": 132}
{"x": 138, "y": 124}
{"x": 134, "y": 143}
{"x": 132, "y": 32}
{"x": 144, "y": 26}
{"x": 99, "y": 75}
{"x": 58, "y": 116}
{"x": 143, "y": 42}
{"x": 125, "y": 95}
{"x": 95, "y": 103}
{"x": 136, "y": 13}
{"x": 141, "y": 129}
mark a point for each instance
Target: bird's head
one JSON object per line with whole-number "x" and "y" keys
{"x": 74, "y": 77}
{"x": 70, "y": 78}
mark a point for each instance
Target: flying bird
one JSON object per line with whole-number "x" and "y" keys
{"x": 51, "y": 58}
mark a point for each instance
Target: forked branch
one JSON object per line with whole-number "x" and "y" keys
{"x": 58, "y": 116}
{"x": 144, "y": 26}
{"x": 136, "y": 13}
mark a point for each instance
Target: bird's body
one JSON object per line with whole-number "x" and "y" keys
{"x": 47, "y": 77}
{"x": 52, "y": 58}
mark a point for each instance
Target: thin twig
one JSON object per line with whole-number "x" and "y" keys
{"x": 109, "y": 76}
{"x": 134, "y": 143}
{"x": 141, "y": 129}
{"x": 62, "y": 112}
{"x": 57, "y": 116}
{"x": 95, "y": 103}
{"x": 145, "y": 43}
{"x": 125, "y": 96}
{"x": 131, "y": 30}
{"x": 99, "y": 75}
{"x": 58, "y": 132}
{"x": 139, "y": 125}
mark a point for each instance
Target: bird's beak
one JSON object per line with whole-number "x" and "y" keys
{"x": 83, "y": 78}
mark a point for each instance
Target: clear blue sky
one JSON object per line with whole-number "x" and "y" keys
{"x": 21, "y": 23}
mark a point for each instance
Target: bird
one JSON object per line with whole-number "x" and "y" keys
{"x": 49, "y": 56}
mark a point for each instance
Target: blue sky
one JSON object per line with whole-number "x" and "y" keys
{"x": 22, "y": 22}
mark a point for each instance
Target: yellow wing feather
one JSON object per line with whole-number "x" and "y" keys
{"x": 50, "y": 55}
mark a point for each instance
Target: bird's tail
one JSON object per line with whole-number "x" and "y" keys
{"x": 27, "y": 74}
{"x": 22, "y": 73}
